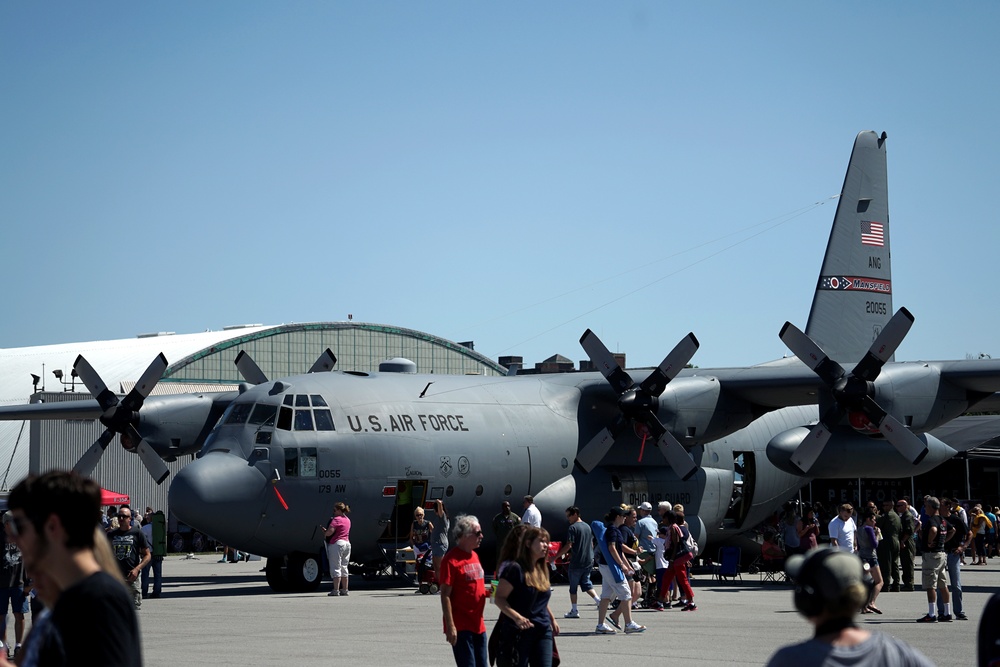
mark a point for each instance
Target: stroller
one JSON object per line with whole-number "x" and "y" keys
{"x": 426, "y": 578}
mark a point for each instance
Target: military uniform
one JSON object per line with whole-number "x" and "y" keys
{"x": 888, "y": 548}
{"x": 907, "y": 548}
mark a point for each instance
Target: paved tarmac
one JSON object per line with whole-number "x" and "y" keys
{"x": 217, "y": 614}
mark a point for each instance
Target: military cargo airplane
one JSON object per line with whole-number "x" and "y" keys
{"x": 731, "y": 444}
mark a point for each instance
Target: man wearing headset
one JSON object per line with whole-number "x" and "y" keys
{"x": 831, "y": 586}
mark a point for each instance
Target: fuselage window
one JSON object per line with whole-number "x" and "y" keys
{"x": 303, "y": 420}
{"x": 307, "y": 462}
{"x": 302, "y": 401}
{"x": 285, "y": 419}
{"x": 318, "y": 401}
{"x": 291, "y": 462}
{"x": 324, "y": 420}
{"x": 239, "y": 413}
{"x": 263, "y": 414}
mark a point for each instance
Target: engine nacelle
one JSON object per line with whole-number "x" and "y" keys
{"x": 851, "y": 454}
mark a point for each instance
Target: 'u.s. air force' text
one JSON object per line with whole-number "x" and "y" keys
{"x": 401, "y": 423}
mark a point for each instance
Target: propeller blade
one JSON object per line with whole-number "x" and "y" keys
{"x": 140, "y": 392}
{"x": 325, "y": 363}
{"x": 249, "y": 369}
{"x": 92, "y": 456}
{"x": 676, "y": 456}
{"x": 154, "y": 464}
{"x": 811, "y": 354}
{"x": 605, "y": 362}
{"x": 592, "y": 453}
{"x": 670, "y": 366}
{"x": 105, "y": 397}
{"x": 811, "y": 447}
{"x": 884, "y": 346}
{"x": 906, "y": 443}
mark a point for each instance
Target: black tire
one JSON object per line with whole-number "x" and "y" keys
{"x": 304, "y": 572}
{"x": 276, "y": 577}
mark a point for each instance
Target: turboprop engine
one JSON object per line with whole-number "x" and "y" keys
{"x": 849, "y": 453}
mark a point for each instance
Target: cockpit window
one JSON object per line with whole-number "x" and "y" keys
{"x": 324, "y": 420}
{"x": 285, "y": 419}
{"x": 263, "y": 414}
{"x": 303, "y": 420}
{"x": 239, "y": 413}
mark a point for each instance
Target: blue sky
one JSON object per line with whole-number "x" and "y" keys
{"x": 510, "y": 173}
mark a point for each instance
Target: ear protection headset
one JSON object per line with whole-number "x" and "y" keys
{"x": 816, "y": 586}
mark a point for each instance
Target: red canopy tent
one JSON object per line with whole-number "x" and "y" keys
{"x": 112, "y": 498}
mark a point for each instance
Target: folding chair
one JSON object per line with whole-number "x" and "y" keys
{"x": 728, "y": 566}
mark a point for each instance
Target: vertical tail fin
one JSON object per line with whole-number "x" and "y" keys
{"x": 853, "y": 298}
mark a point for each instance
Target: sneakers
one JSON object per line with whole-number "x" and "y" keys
{"x": 944, "y": 618}
{"x": 633, "y": 628}
{"x": 603, "y": 629}
{"x": 333, "y": 594}
{"x": 614, "y": 623}
{"x": 960, "y": 616}
{"x": 680, "y": 603}
{"x": 690, "y": 607}
{"x": 572, "y": 613}
{"x": 928, "y": 619}
{"x": 343, "y": 592}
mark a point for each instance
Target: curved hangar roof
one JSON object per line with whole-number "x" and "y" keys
{"x": 207, "y": 359}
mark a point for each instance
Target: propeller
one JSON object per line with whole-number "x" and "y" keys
{"x": 120, "y": 416}
{"x": 638, "y": 404}
{"x": 853, "y": 393}
{"x": 252, "y": 373}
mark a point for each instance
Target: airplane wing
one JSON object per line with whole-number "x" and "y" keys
{"x": 85, "y": 409}
{"x": 970, "y": 432}
{"x": 769, "y": 386}
{"x": 978, "y": 375}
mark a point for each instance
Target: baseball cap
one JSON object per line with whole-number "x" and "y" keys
{"x": 617, "y": 511}
{"x": 827, "y": 571}
{"x": 646, "y": 506}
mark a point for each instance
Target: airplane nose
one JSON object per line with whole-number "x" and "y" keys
{"x": 220, "y": 495}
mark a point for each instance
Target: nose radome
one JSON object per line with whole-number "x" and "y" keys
{"x": 220, "y": 495}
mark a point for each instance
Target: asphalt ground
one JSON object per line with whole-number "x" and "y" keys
{"x": 213, "y": 613}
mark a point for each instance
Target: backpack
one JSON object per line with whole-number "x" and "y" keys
{"x": 692, "y": 545}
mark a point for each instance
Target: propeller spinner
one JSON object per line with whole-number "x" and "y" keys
{"x": 853, "y": 393}
{"x": 119, "y": 417}
{"x": 638, "y": 404}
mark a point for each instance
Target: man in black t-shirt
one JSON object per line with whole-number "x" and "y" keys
{"x": 132, "y": 551}
{"x": 93, "y": 622}
{"x": 954, "y": 548}
{"x": 934, "y": 532}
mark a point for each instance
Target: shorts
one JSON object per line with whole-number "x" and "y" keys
{"x": 579, "y": 577}
{"x": 933, "y": 565}
{"x": 16, "y": 598}
{"x": 611, "y": 589}
{"x": 872, "y": 562}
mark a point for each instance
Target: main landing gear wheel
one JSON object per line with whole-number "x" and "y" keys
{"x": 304, "y": 572}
